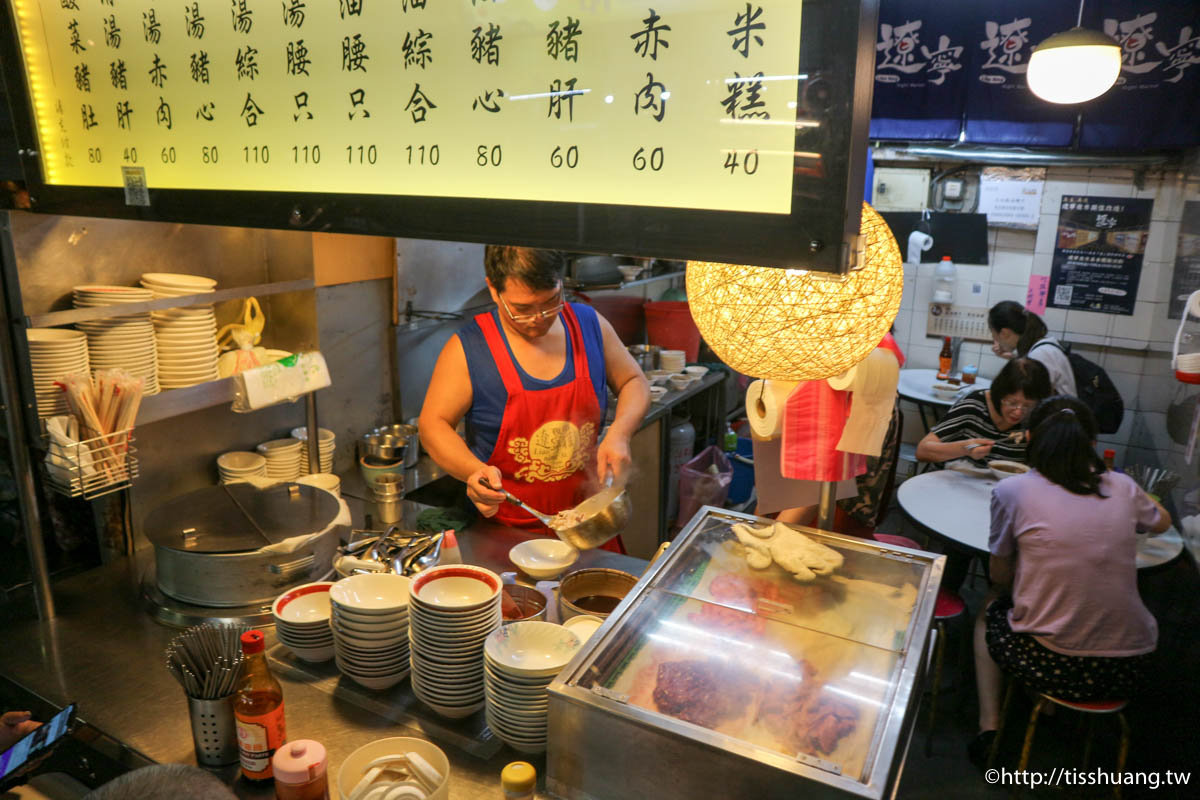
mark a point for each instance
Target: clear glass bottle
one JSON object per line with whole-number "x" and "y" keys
{"x": 258, "y": 710}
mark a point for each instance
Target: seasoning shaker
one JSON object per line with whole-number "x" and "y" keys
{"x": 301, "y": 771}
{"x": 519, "y": 781}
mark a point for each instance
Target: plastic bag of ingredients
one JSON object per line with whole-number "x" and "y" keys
{"x": 703, "y": 481}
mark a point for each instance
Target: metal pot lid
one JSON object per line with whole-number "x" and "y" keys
{"x": 238, "y": 518}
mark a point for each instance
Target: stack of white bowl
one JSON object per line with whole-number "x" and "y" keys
{"x": 370, "y": 628}
{"x": 453, "y": 610}
{"x": 125, "y": 342}
{"x": 186, "y": 337}
{"x": 302, "y": 621}
{"x": 672, "y": 360}
{"x": 328, "y": 440}
{"x": 53, "y": 353}
{"x": 284, "y": 462}
{"x": 520, "y": 661}
{"x": 237, "y": 465}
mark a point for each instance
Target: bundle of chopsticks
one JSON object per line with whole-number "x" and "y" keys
{"x": 206, "y": 660}
{"x": 1155, "y": 480}
{"x": 105, "y": 405}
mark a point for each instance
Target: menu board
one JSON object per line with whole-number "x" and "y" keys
{"x": 666, "y": 103}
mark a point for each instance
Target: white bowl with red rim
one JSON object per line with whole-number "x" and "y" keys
{"x": 372, "y": 594}
{"x": 455, "y": 588}
{"x": 303, "y": 607}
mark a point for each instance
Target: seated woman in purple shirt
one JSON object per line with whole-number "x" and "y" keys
{"x": 1065, "y": 617}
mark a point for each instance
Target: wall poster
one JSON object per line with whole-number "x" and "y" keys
{"x": 1186, "y": 277}
{"x": 1098, "y": 253}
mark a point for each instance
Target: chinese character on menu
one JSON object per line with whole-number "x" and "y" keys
{"x": 647, "y": 41}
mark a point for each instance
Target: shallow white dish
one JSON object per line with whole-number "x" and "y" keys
{"x": 378, "y": 593}
{"x": 543, "y": 558}
{"x": 531, "y": 647}
{"x": 1013, "y": 468}
{"x": 583, "y": 626}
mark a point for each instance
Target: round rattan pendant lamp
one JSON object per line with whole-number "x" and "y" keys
{"x": 797, "y": 325}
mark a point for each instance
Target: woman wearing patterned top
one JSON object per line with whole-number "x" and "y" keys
{"x": 979, "y": 425}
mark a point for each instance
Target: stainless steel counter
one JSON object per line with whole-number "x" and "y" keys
{"x": 104, "y": 652}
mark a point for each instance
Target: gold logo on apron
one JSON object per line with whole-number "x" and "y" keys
{"x": 557, "y": 450}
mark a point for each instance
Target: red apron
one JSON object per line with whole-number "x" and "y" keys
{"x": 547, "y": 437}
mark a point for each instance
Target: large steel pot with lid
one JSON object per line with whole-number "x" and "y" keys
{"x": 208, "y": 543}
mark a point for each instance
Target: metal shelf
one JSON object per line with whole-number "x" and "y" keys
{"x": 174, "y": 402}
{"x": 71, "y": 316}
{"x": 627, "y": 284}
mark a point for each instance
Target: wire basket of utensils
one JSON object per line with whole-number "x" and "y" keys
{"x": 1155, "y": 480}
{"x": 206, "y": 660}
{"x": 93, "y": 467}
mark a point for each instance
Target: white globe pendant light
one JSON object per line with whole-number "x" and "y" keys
{"x": 1074, "y": 66}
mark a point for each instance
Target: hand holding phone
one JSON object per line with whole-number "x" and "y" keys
{"x": 32, "y": 741}
{"x": 14, "y": 725}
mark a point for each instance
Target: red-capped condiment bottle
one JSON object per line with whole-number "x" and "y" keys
{"x": 301, "y": 771}
{"x": 945, "y": 359}
{"x": 258, "y": 710}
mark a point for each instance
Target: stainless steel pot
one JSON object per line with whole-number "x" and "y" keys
{"x": 396, "y": 442}
{"x": 208, "y": 544}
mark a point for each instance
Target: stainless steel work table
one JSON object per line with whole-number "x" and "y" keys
{"x": 104, "y": 652}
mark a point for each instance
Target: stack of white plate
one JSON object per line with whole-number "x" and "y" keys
{"x": 125, "y": 342}
{"x": 186, "y": 337}
{"x": 54, "y": 352}
{"x": 453, "y": 609}
{"x": 237, "y": 465}
{"x": 283, "y": 458}
{"x": 302, "y": 621}
{"x": 520, "y": 661}
{"x": 328, "y": 440}
{"x": 370, "y": 628}
{"x": 672, "y": 360}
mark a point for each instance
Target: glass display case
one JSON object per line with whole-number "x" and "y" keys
{"x": 722, "y": 671}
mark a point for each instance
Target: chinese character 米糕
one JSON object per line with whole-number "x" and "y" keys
{"x": 744, "y": 27}
{"x": 744, "y": 98}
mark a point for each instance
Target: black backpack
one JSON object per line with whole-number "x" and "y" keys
{"x": 1094, "y": 388}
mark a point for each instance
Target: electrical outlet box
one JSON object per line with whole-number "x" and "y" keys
{"x": 948, "y": 319}
{"x": 954, "y": 189}
{"x": 896, "y": 189}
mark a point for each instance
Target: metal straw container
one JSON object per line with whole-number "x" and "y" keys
{"x": 214, "y": 731}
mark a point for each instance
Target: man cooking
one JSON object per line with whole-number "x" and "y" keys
{"x": 530, "y": 379}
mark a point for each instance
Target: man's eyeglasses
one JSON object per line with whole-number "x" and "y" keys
{"x": 525, "y": 319}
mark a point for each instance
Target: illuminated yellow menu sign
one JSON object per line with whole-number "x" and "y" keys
{"x": 671, "y": 103}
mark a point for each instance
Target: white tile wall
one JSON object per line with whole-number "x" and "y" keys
{"x": 1118, "y": 343}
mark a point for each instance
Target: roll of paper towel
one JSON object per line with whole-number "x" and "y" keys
{"x": 764, "y": 407}
{"x": 872, "y": 385}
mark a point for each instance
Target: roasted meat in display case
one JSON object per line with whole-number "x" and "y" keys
{"x": 757, "y": 659}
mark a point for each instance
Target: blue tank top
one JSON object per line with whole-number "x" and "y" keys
{"x": 489, "y": 397}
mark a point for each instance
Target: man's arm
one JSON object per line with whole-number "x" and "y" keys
{"x": 628, "y": 383}
{"x": 446, "y": 402}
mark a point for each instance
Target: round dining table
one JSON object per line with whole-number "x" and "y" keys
{"x": 956, "y": 506}
{"x": 916, "y": 386}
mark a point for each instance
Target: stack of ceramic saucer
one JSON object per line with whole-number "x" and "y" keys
{"x": 237, "y": 465}
{"x": 54, "y": 352}
{"x": 452, "y": 610}
{"x": 124, "y": 342}
{"x": 186, "y": 337}
{"x": 520, "y": 661}
{"x": 302, "y": 621}
{"x": 328, "y": 440}
{"x": 284, "y": 462}
{"x": 370, "y": 628}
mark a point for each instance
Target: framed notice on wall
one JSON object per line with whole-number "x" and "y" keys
{"x": 1098, "y": 253}
{"x": 683, "y": 128}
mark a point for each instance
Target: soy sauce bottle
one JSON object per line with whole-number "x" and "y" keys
{"x": 258, "y": 711}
